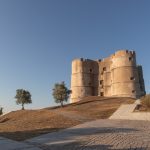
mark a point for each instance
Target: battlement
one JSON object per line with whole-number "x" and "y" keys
{"x": 121, "y": 53}
{"x": 118, "y": 53}
{"x": 83, "y": 60}
{"x": 106, "y": 59}
{"x": 78, "y": 59}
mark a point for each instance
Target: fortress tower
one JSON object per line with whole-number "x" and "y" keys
{"x": 84, "y": 78}
{"x": 117, "y": 76}
{"x": 124, "y": 74}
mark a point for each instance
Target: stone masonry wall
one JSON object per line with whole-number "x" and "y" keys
{"x": 117, "y": 75}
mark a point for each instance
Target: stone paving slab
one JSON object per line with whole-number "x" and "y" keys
{"x": 1, "y": 138}
{"x": 98, "y": 135}
{"x": 7, "y": 144}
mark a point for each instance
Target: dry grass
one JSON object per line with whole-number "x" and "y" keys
{"x": 145, "y": 105}
{"x": 24, "y": 124}
{"x": 96, "y": 107}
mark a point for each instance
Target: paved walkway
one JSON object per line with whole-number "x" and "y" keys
{"x": 6, "y": 144}
{"x": 98, "y": 135}
{"x": 126, "y": 111}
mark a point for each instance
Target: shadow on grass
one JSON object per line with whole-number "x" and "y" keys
{"x": 23, "y": 135}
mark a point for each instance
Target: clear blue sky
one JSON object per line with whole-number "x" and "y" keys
{"x": 39, "y": 39}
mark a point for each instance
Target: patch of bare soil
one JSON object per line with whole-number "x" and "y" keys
{"x": 25, "y": 124}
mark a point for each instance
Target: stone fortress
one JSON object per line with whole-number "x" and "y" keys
{"x": 115, "y": 76}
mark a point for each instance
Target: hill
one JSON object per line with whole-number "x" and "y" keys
{"x": 24, "y": 124}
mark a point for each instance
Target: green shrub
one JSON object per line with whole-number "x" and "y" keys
{"x": 146, "y": 100}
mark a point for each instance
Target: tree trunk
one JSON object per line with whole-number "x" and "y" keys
{"x": 1, "y": 111}
{"x": 22, "y": 106}
{"x": 61, "y": 103}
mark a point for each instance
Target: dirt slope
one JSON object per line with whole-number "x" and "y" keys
{"x": 21, "y": 125}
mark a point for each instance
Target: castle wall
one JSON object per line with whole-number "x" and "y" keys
{"x": 141, "y": 80}
{"x": 105, "y": 77}
{"x": 84, "y": 80}
{"x": 125, "y": 80}
{"x": 117, "y": 75}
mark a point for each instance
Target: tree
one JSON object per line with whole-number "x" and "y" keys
{"x": 61, "y": 93}
{"x": 23, "y": 97}
{"x": 1, "y": 111}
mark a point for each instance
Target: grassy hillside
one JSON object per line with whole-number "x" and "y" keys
{"x": 24, "y": 124}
